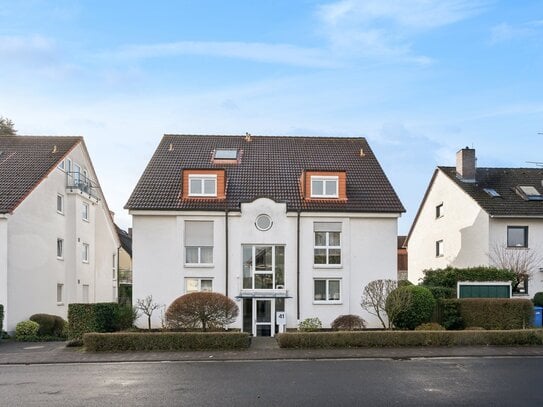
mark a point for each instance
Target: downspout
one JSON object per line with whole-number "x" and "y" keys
{"x": 298, "y": 267}
{"x": 226, "y": 249}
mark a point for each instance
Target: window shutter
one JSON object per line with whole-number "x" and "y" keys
{"x": 327, "y": 226}
{"x": 198, "y": 233}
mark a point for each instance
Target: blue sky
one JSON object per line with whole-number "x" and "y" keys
{"x": 419, "y": 78}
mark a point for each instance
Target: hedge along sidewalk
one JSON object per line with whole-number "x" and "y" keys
{"x": 316, "y": 340}
{"x": 165, "y": 341}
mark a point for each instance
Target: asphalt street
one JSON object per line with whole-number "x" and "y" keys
{"x": 487, "y": 381}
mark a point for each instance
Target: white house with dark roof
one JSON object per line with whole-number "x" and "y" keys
{"x": 480, "y": 216}
{"x": 58, "y": 243}
{"x": 289, "y": 227}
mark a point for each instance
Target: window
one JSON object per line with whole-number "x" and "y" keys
{"x": 68, "y": 165}
{"x": 439, "y": 248}
{"x": 60, "y": 288}
{"x": 263, "y": 267}
{"x": 517, "y": 236}
{"x": 492, "y": 192}
{"x": 85, "y": 253}
{"x": 60, "y": 203}
{"x": 324, "y": 186}
{"x": 61, "y": 165}
{"x": 225, "y": 154}
{"x": 327, "y": 290}
{"x": 202, "y": 185}
{"x": 198, "y": 242}
{"x": 439, "y": 210}
{"x": 60, "y": 248}
{"x": 327, "y": 249}
{"x": 85, "y": 293}
{"x": 85, "y": 211}
{"x": 529, "y": 193}
{"x": 114, "y": 267}
{"x": 198, "y": 284}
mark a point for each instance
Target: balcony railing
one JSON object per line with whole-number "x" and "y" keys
{"x": 75, "y": 181}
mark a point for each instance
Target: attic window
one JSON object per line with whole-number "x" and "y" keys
{"x": 225, "y": 154}
{"x": 529, "y": 193}
{"x": 492, "y": 192}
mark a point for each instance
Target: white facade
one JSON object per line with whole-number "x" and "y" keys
{"x": 38, "y": 276}
{"x": 468, "y": 234}
{"x": 367, "y": 245}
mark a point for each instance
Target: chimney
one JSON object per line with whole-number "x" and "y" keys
{"x": 466, "y": 164}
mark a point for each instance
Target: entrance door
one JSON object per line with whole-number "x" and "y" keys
{"x": 263, "y": 310}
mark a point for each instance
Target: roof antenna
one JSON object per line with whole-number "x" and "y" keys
{"x": 54, "y": 149}
{"x": 170, "y": 148}
{"x": 248, "y": 137}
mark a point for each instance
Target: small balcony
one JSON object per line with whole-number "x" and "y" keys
{"x": 80, "y": 183}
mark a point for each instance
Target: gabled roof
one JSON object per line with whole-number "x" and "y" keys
{"x": 504, "y": 181}
{"x": 25, "y": 161}
{"x": 268, "y": 167}
{"x": 125, "y": 239}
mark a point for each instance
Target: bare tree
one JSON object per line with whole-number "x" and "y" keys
{"x": 374, "y": 298}
{"x": 397, "y": 301}
{"x": 521, "y": 261}
{"x": 147, "y": 307}
{"x": 7, "y": 127}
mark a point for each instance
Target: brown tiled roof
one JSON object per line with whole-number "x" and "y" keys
{"x": 269, "y": 167}
{"x": 503, "y": 181}
{"x": 25, "y": 161}
{"x": 125, "y": 239}
{"x": 402, "y": 241}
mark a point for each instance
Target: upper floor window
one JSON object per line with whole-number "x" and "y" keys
{"x": 327, "y": 249}
{"x": 60, "y": 289}
{"x": 85, "y": 253}
{"x": 439, "y": 210}
{"x": 198, "y": 284}
{"x": 114, "y": 266}
{"x": 85, "y": 211}
{"x": 324, "y": 186}
{"x": 198, "y": 242}
{"x": 60, "y": 248}
{"x": 61, "y": 165}
{"x": 439, "y": 248}
{"x": 517, "y": 236}
{"x": 60, "y": 203}
{"x": 263, "y": 267}
{"x": 202, "y": 185}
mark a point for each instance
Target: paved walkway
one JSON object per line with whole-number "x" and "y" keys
{"x": 12, "y": 352}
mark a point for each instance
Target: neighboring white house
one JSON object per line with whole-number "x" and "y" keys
{"x": 58, "y": 243}
{"x": 296, "y": 225}
{"x": 474, "y": 216}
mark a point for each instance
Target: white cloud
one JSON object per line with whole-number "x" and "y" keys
{"x": 254, "y": 51}
{"x": 18, "y": 46}
{"x": 505, "y": 32}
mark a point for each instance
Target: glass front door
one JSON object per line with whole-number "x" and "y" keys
{"x": 263, "y": 310}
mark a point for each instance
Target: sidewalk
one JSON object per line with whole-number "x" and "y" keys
{"x": 12, "y": 352}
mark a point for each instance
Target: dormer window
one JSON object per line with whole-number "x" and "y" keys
{"x": 202, "y": 185}
{"x": 324, "y": 186}
{"x": 226, "y": 154}
{"x": 529, "y": 193}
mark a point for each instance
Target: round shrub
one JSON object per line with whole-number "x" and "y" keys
{"x": 26, "y": 330}
{"x": 404, "y": 283}
{"x": 430, "y": 326}
{"x": 50, "y": 325}
{"x": 201, "y": 310}
{"x": 538, "y": 299}
{"x": 418, "y": 309}
{"x": 310, "y": 324}
{"x": 348, "y": 323}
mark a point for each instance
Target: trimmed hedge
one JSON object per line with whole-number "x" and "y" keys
{"x": 50, "y": 325}
{"x": 448, "y": 277}
{"x": 496, "y": 313}
{"x": 27, "y": 331}
{"x": 538, "y": 299}
{"x": 85, "y": 318}
{"x": 323, "y": 340}
{"x": 165, "y": 341}
{"x": 440, "y": 293}
{"x": 1, "y": 320}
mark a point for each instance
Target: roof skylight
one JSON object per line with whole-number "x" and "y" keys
{"x": 492, "y": 192}
{"x": 226, "y": 154}
{"x": 529, "y": 193}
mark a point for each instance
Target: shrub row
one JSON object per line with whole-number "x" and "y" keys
{"x": 448, "y": 277}
{"x": 165, "y": 341}
{"x": 488, "y": 313}
{"x": 99, "y": 317}
{"x": 302, "y": 340}
{"x": 49, "y": 325}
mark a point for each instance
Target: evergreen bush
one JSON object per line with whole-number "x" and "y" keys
{"x": 27, "y": 331}
{"x": 538, "y": 299}
{"x": 419, "y": 309}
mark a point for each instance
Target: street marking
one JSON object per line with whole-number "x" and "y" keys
{"x": 34, "y": 347}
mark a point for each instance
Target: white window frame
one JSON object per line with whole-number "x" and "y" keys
{"x": 328, "y": 300}
{"x": 439, "y": 210}
{"x": 61, "y": 165}
{"x": 60, "y": 294}
{"x": 202, "y": 178}
{"x": 199, "y": 281}
{"x": 61, "y": 211}
{"x": 440, "y": 248}
{"x": 327, "y": 247}
{"x": 323, "y": 179}
{"x": 85, "y": 252}
{"x": 85, "y": 211}
{"x": 253, "y": 271}
{"x": 199, "y": 262}
{"x": 60, "y": 245}
{"x": 114, "y": 266}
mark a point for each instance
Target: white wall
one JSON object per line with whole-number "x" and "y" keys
{"x": 464, "y": 229}
{"x": 368, "y": 252}
{"x": 33, "y": 268}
